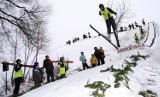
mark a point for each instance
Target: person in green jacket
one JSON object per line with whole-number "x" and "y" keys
{"x": 62, "y": 68}
{"x": 17, "y": 77}
{"x": 108, "y": 17}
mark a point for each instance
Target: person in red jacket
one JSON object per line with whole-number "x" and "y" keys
{"x": 48, "y": 65}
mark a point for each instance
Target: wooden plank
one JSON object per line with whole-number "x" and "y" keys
{"x": 64, "y": 61}
{"x": 7, "y": 63}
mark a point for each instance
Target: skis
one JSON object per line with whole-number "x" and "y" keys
{"x": 103, "y": 37}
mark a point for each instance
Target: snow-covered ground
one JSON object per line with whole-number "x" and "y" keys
{"x": 145, "y": 76}
{"x": 75, "y": 23}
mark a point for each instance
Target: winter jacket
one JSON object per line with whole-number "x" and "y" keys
{"x": 48, "y": 65}
{"x": 93, "y": 60}
{"x": 107, "y": 13}
{"x": 102, "y": 51}
{"x": 83, "y": 59}
{"x": 37, "y": 77}
{"x": 98, "y": 54}
{"x": 135, "y": 36}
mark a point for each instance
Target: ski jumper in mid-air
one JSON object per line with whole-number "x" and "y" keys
{"x": 108, "y": 17}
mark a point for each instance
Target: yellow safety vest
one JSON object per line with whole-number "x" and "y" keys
{"x": 18, "y": 73}
{"x": 105, "y": 13}
{"x": 135, "y": 37}
{"x": 62, "y": 69}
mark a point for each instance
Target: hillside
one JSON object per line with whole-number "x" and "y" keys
{"x": 117, "y": 78}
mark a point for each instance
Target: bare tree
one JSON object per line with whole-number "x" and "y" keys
{"x": 123, "y": 13}
{"x": 42, "y": 39}
{"x": 21, "y": 24}
{"x": 28, "y": 50}
{"x": 122, "y": 9}
{"x": 23, "y": 16}
{"x": 41, "y": 45}
{"x": 1, "y": 49}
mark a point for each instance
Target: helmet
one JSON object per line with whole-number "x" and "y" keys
{"x": 101, "y": 5}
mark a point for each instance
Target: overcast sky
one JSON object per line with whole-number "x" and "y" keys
{"x": 71, "y": 18}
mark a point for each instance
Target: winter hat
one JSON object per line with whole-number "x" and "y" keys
{"x": 18, "y": 60}
{"x": 46, "y": 56}
{"x": 82, "y": 53}
{"x": 61, "y": 58}
{"x": 35, "y": 65}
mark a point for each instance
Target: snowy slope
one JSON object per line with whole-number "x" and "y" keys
{"x": 145, "y": 75}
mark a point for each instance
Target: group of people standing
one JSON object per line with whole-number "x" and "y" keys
{"x": 38, "y": 72}
{"x": 141, "y": 32}
{"x": 136, "y": 25}
{"x": 96, "y": 59}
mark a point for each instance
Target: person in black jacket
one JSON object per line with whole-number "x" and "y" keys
{"x": 143, "y": 22}
{"x": 108, "y": 17}
{"x": 98, "y": 55}
{"x": 102, "y": 56}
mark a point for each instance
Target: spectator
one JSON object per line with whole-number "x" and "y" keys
{"x": 37, "y": 75}
{"x": 129, "y": 26}
{"x": 93, "y": 60}
{"x": 98, "y": 55}
{"x": 17, "y": 77}
{"x": 89, "y": 35}
{"x": 136, "y": 38}
{"x": 136, "y": 24}
{"x": 62, "y": 68}
{"x": 48, "y": 65}
{"x": 83, "y": 60}
{"x": 133, "y": 26}
{"x": 103, "y": 55}
{"x": 84, "y": 36}
{"x": 143, "y": 22}
{"x": 142, "y": 31}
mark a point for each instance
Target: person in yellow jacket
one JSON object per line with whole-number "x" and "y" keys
{"x": 108, "y": 17}
{"x": 136, "y": 38}
{"x": 62, "y": 68}
{"x": 17, "y": 77}
{"x": 93, "y": 60}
